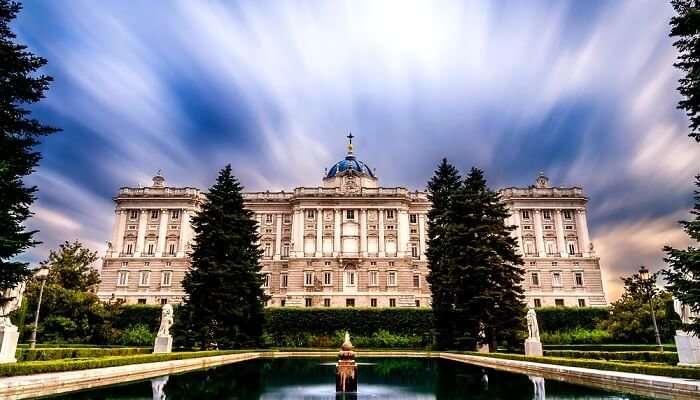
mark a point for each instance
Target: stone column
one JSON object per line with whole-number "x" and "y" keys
{"x": 118, "y": 238}
{"x": 582, "y": 228}
{"x": 336, "y": 232}
{"x": 298, "y": 232}
{"x": 404, "y": 231}
{"x": 143, "y": 221}
{"x": 184, "y": 232}
{"x": 278, "y": 237}
{"x": 319, "y": 232}
{"x": 539, "y": 237}
{"x": 162, "y": 231}
{"x": 559, "y": 226}
{"x": 363, "y": 232}
{"x": 421, "y": 235}
{"x": 517, "y": 232}
{"x": 380, "y": 216}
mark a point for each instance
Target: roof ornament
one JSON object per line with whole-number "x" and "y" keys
{"x": 158, "y": 180}
{"x": 350, "y": 136}
{"x": 542, "y": 181}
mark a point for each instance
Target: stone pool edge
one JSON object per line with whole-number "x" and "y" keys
{"x": 21, "y": 387}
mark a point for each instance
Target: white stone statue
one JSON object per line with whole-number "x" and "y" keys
{"x": 683, "y": 310}
{"x": 9, "y": 334}
{"x": 532, "y": 327}
{"x": 15, "y": 294}
{"x": 687, "y": 344}
{"x": 166, "y": 320}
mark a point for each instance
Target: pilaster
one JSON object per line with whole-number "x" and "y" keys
{"x": 141, "y": 235}
{"x": 162, "y": 231}
{"x": 363, "y": 232}
{"x": 380, "y": 213}
{"x": 539, "y": 237}
{"x": 559, "y": 226}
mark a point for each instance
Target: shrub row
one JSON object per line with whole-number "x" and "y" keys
{"x": 608, "y": 347}
{"x": 47, "y": 354}
{"x": 638, "y": 368}
{"x": 381, "y": 339}
{"x": 74, "y": 346}
{"x": 38, "y": 367}
{"x": 667, "y": 357}
{"x": 552, "y": 319}
{"x": 576, "y": 336}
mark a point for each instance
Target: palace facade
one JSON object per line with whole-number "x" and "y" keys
{"x": 346, "y": 243}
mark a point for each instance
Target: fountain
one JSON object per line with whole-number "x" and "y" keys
{"x": 346, "y": 368}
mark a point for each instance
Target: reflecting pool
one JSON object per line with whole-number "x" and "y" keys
{"x": 379, "y": 378}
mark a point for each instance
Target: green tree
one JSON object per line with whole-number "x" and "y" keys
{"x": 683, "y": 274}
{"x": 441, "y": 189}
{"x": 20, "y": 85}
{"x": 484, "y": 265}
{"x": 224, "y": 287}
{"x": 685, "y": 27}
{"x": 71, "y": 267}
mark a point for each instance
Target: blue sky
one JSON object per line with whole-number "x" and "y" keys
{"x": 584, "y": 91}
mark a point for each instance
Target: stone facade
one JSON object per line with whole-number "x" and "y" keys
{"x": 346, "y": 243}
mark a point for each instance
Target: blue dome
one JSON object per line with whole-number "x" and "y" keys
{"x": 350, "y": 163}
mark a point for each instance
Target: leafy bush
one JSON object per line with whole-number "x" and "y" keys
{"x": 630, "y": 320}
{"x": 48, "y": 354}
{"x": 137, "y": 335}
{"x": 576, "y": 336}
{"x": 667, "y": 357}
{"x": 551, "y": 319}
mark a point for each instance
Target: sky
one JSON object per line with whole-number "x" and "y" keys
{"x": 582, "y": 90}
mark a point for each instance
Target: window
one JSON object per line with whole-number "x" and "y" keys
{"x": 527, "y": 227}
{"x": 417, "y": 303}
{"x": 266, "y": 281}
{"x": 349, "y": 278}
{"x": 283, "y": 303}
{"x": 537, "y": 302}
{"x": 349, "y": 302}
{"x": 125, "y": 263}
{"x": 581, "y": 302}
{"x": 372, "y": 302}
{"x": 123, "y": 278}
{"x": 310, "y": 214}
{"x": 168, "y": 263}
{"x": 568, "y": 227}
{"x": 556, "y": 279}
{"x": 163, "y": 302}
{"x": 308, "y": 278}
{"x": 391, "y": 263}
{"x": 285, "y": 250}
{"x": 390, "y": 227}
{"x": 327, "y": 278}
{"x": 416, "y": 281}
{"x": 546, "y": 214}
{"x": 268, "y": 218}
{"x": 373, "y": 281}
{"x": 535, "y": 279}
{"x": 572, "y": 248}
{"x": 559, "y": 302}
{"x": 389, "y": 214}
{"x": 392, "y": 302}
{"x": 551, "y": 248}
{"x": 174, "y": 214}
{"x": 165, "y": 278}
{"x": 525, "y": 214}
{"x": 414, "y": 250}
{"x": 141, "y": 301}
{"x": 578, "y": 279}
{"x": 129, "y": 248}
{"x": 146, "y": 264}
{"x": 567, "y": 214}
{"x": 548, "y": 227}
{"x": 308, "y": 302}
{"x": 326, "y": 302}
{"x": 413, "y": 218}
{"x": 144, "y": 278}
{"x": 373, "y": 263}
{"x": 131, "y": 227}
{"x": 268, "y": 250}
{"x": 133, "y": 214}
{"x": 327, "y": 263}
{"x": 283, "y": 280}
{"x": 154, "y": 214}
{"x": 349, "y": 214}
{"x": 391, "y": 278}
{"x": 286, "y": 218}
{"x": 151, "y": 248}
{"x": 171, "y": 248}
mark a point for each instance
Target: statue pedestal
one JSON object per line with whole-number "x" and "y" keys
{"x": 8, "y": 343}
{"x": 533, "y": 348}
{"x": 163, "y": 344}
{"x": 346, "y": 376}
{"x": 688, "y": 348}
{"x": 482, "y": 348}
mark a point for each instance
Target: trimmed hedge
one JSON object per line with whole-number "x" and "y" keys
{"x": 667, "y": 357}
{"x": 76, "y": 346}
{"x": 638, "y": 368}
{"x": 358, "y": 321}
{"x": 38, "y": 367}
{"x": 48, "y": 354}
{"x": 128, "y": 316}
{"x": 552, "y": 319}
{"x": 608, "y": 347}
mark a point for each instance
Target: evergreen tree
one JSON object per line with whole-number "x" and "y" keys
{"x": 71, "y": 267}
{"x": 225, "y": 298}
{"x": 20, "y": 85}
{"x": 685, "y": 26}
{"x": 485, "y": 267}
{"x": 683, "y": 276}
{"x": 441, "y": 189}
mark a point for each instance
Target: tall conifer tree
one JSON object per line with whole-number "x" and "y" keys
{"x": 441, "y": 189}
{"x": 225, "y": 298}
{"x": 20, "y": 85}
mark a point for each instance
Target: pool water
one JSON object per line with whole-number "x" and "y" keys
{"x": 379, "y": 378}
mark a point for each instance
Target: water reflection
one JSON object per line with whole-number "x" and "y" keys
{"x": 309, "y": 379}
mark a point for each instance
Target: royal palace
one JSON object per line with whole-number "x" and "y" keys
{"x": 346, "y": 243}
